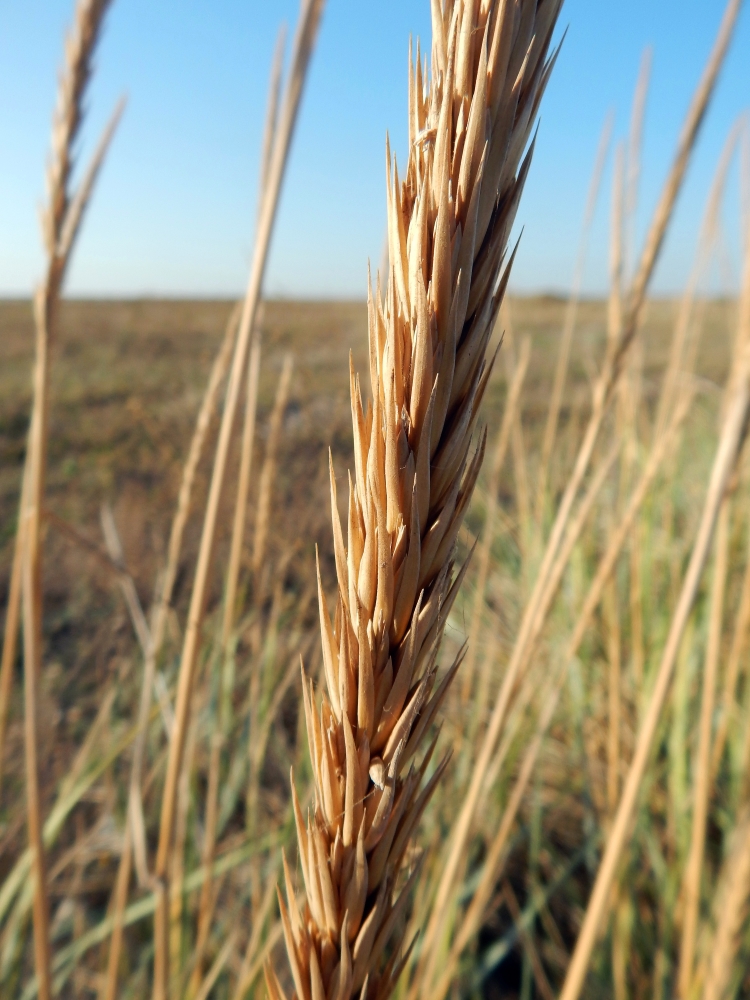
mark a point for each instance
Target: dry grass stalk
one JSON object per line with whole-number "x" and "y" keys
{"x": 205, "y": 906}
{"x": 731, "y": 913}
{"x": 10, "y": 636}
{"x": 603, "y": 390}
{"x": 80, "y": 48}
{"x": 730, "y": 441}
{"x": 302, "y": 52}
{"x": 691, "y": 886}
{"x": 664, "y": 208}
{"x": 135, "y": 833}
{"x": 268, "y": 470}
{"x": 571, "y": 312}
{"x": 635, "y": 146}
{"x": 614, "y": 695}
{"x": 177, "y": 861}
{"x": 731, "y": 676}
{"x": 706, "y": 242}
{"x": 243, "y": 489}
{"x": 611, "y": 609}
{"x": 272, "y": 113}
{"x": 414, "y": 475}
{"x": 540, "y": 977}
{"x": 488, "y": 536}
{"x": 217, "y": 967}
{"x": 251, "y": 963}
{"x": 127, "y": 584}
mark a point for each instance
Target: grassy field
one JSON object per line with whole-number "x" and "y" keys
{"x": 127, "y": 379}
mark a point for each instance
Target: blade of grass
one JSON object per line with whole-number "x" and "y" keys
{"x": 635, "y": 145}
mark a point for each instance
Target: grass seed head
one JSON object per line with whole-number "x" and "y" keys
{"x": 415, "y": 469}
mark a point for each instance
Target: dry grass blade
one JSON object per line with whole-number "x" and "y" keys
{"x": 415, "y": 471}
{"x": 706, "y": 240}
{"x": 540, "y": 978}
{"x": 272, "y": 113}
{"x": 488, "y": 537}
{"x": 303, "y": 47}
{"x": 217, "y": 968}
{"x": 127, "y": 585}
{"x": 663, "y": 213}
{"x": 205, "y": 906}
{"x": 608, "y": 379}
{"x": 739, "y": 643}
{"x": 80, "y": 202}
{"x": 731, "y": 914}
{"x": 635, "y": 146}
{"x": 702, "y": 782}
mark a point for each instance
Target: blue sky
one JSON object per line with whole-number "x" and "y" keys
{"x": 175, "y": 209}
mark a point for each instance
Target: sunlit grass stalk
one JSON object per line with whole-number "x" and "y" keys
{"x": 732, "y": 898}
{"x": 691, "y": 886}
{"x": 732, "y": 672}
{"x": 488, "y": 535}
{"x": 633, "y": 158}
{"x": 685, "y": 314}
{"x": 205, "y": 906}
{"x": 60, "y": 221}
{"x": 256, "y": 744}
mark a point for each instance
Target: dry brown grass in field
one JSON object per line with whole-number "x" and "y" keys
{"x": 606, "y": 706}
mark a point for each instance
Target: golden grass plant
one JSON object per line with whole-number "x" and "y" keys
{"x": 61, "y": 219}
{"x": 415, "y": 472}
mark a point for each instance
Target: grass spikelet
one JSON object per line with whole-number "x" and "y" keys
{"x": 415, "y": 471}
